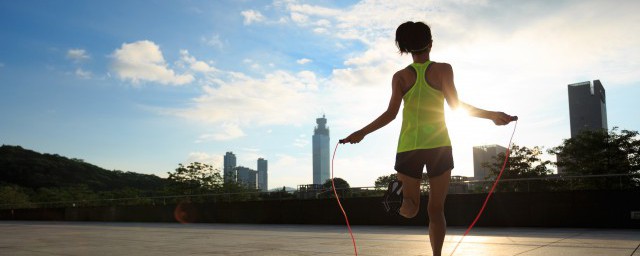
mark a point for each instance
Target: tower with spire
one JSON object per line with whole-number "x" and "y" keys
{"x": 321, "y": 151}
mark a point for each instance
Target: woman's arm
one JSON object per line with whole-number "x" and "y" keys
{"x": 451, "y": 94}
{"x": 385, "y": 118}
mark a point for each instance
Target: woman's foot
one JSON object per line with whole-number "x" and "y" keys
{"x": 392, "y": 199}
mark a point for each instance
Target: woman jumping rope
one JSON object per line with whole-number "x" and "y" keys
{"x": 424, "y": 139}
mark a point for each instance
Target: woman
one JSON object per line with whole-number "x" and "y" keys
{"x": 424, "y": 139}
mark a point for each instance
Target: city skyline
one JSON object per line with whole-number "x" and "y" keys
{"x": 252, "y": 178}
{"x": 134, "y": 86}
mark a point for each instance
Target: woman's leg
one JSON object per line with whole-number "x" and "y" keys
{"x": 410, "y": 194}
{"x": 439, "y": 187}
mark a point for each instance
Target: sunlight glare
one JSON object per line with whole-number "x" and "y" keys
{"x": 456, "y": 117}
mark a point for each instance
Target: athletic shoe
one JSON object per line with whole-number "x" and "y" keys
{"x": 392, "y": 199}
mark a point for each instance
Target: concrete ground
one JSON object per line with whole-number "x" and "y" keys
{"x": 91, "y": 238}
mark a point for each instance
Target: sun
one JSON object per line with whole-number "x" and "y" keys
{"x": 457, "y": 117}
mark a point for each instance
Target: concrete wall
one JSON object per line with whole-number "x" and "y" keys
{"x": 588, "y": 209}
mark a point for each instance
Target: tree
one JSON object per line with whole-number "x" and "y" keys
{"x": 523, "y": 163}
{"x": 195, "y": 178}
{"x": 80, "y": 195}
{"x": 13, "y": 196}
{"x": 383, "y": 181}
{"x": 601, "y": 152}
{"x": 342, "y": 187}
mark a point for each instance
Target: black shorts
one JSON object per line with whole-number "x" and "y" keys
{"x": 437, "y": 160}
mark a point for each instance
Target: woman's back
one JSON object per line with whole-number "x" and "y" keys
{"x": 423, "y": 122}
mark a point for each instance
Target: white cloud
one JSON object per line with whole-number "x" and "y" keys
{"x": 314, "y": 10}
{"x": 78, "y": 55}
{"x": 213, "y": 41}
{"x": 288, "y": 170}
{"x": 251, "y": 16}
{"x": 278, "y": 98}
{"x": 143, "y": 61}
{"x": 299, "y": 17}
{"x": 323, "y": 23}
{"x": 226, "y": 131}
{"x": 320, "y": 31}
{"x": 301, "y": 141}
{"x": 201, "y": 157}
{"x": 194, "y": 64}
{"x": 303, "y": 61}
{"x": 83, "y": 74}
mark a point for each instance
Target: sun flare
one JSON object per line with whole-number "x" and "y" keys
{"x": 456, "y": 117}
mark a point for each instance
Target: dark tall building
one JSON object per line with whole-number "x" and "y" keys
{"x": 321, "y": 151}
{"x": 484, "y": 154}
{"x": 247, "y": 177}
{"x": 229, "y": 167}
{"x": 263, "y": 177}
{"x": 587, "y": 107}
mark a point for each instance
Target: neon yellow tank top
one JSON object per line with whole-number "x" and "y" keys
{"x": 423, "y": 124}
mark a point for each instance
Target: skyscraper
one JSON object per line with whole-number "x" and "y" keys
{"x": 247, "y": 177}
{"x": 229, "y": 167}
{"x": 263, "y": 178}
{"x": 321, "y": 151}
{"x": 484, "y": 154}
{"x": 587, "y": 107}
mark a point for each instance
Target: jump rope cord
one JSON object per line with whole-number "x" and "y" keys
{"x": 506, "y": 159}
{"x": 333, "y": 185}
{"x": 495, "y": 183}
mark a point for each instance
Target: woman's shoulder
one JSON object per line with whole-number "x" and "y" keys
{"x": 405, "y": 72}
{"x": 441, "y": 65}
{"x": 441, "y": 69}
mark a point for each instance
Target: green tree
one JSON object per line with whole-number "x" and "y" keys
{"x": 80, "y": 195}
{"x": 383, "y": 181}
{"x": 523, "y": 163}
{"x": 12, "y": 196}
{"x": 601, "y": 152}
{"x": 342, "y": 188}
{"x": 195, "y": 178}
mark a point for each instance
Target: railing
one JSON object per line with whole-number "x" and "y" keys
{"x": 538, "y": 184}
{"x": 553, "y": 183}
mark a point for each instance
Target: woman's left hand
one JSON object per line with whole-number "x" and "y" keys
{"x": 500, "y": 118}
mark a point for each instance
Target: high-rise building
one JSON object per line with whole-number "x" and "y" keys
{"x": 263, "y": 178}
{"x": 587, "y": 107}
{"x": 247, "y": 177}
{"x": 484, "y": 154}
{"x": 229, "y": 169}
{"x": 321, "y": 151}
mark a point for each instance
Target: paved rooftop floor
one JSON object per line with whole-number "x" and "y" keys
{"x": 92, "y": 238}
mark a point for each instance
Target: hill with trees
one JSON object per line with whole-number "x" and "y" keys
{"x": 33, "y": 170}
{"x": 32, "y": 179}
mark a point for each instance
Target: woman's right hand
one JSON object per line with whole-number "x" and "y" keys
{"x": 353, "y": 138}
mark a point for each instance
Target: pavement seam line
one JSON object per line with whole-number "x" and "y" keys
{"x": 634, "y": 251}
{"x": 557, "y": 241}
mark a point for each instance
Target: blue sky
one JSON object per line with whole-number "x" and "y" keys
{"x": 145, "y": 85}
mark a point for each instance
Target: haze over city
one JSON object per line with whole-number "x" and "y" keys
{"x": 139, "y": 86}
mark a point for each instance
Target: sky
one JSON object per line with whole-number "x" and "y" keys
{"x": 144, "y": 86}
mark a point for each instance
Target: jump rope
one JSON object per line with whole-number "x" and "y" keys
{"x": 504, "y": 164}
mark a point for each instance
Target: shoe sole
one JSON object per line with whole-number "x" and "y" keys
{"x": 394, "y": 190}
